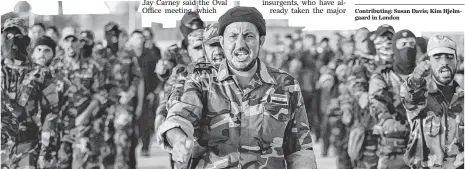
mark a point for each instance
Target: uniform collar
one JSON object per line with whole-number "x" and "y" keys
{"x": 433, "y": 87}
{"x": 263, "y": 72}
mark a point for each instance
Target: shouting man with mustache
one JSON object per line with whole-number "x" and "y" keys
{"x": 435, "y": 109}
{"x": 244, "y": 113}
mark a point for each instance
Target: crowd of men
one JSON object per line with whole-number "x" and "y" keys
{"x": 383, "y": 99}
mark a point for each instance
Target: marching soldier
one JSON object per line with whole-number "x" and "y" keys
{"x": 80, "y": 82}
{"x": 125, "y": 86}
{"x": 384, "y": 90}
{"x": 23, "y": 88}
{"x": 222, "y": 111}
{"x": 435, "y": 109}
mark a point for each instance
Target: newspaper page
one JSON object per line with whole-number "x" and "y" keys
{"x": 246, "y": 84}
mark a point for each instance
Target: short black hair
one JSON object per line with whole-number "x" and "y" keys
{"x": 310, "y": 36}
{"x": 137, "y": 31}
{"x": 39, "y": 24}
{"x": 325, "y": 39}
{"x": 55, "y": 29}
{"x": 288, "y": 36}
{"x": 150, "y": 31}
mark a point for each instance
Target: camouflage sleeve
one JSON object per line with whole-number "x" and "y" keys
{"x": 413, "y": 98}
{"x": 346, "y": 103}
{"x": 298, "y": 146}
{"x": 185, "y": 113}
{"x": 379, "y": 97}
{"x": 98, "y": 86}
{"x": 176, "y": 86}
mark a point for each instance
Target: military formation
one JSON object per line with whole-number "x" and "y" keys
{"x": 380, "y": 99}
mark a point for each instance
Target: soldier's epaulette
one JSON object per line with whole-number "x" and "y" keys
{"x": 277, "y": 71}
{"x": 197, "y": 67}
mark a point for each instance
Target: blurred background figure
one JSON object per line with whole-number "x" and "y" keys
{"x": 53, "y": 33}
{"x": 123, "y": 39}
{"x": 325, "y": 53}
{"x": 152, "y": 89}
{"x": 36, "y": 31}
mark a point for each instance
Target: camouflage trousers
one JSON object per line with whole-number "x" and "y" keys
{"x": 367, "y": 162}
{"x": 368, "y": 158}
{"x": 342, "y": 157}
{"x": 19, "y": 144}
{"x": 80, "y": 146}
{"x": 48, "y": 156}
{"x": 117, "y": 141}
{"x": 20, "y": 155}
{"x": 392, "y": 162}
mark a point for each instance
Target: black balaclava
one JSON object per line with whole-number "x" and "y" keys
{"x": 405, "y": 52}
{"x": 15, "y": 47}
{"x": 112, "y": 32}
{"x": 87, "y": 43}
{"x": 86, "y": 50}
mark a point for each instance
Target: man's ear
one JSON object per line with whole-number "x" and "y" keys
{"x": 221, "y": 39}
{"x": 261, "y": 40}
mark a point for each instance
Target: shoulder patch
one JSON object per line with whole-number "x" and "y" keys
{"x": 273, "y": 70}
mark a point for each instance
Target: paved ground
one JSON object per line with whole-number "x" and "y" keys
{"x": 159, "y": 160}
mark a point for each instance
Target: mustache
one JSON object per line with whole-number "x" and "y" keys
{"x": 241, "y": 50}
{"x": 444, "y": 68}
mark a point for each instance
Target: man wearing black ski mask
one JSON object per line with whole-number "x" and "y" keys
{"x": 87, "y": 42}
{"x": 385, "y": 103}
{"x": 112, "y": 32}
{"x": 20, "y": 98}
{"x": 15, "y": 42}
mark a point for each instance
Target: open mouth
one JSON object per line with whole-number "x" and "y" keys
{"x": 241, "y": 55}
{"x": 218, "y": 57}
{"x": 445, "y": 72}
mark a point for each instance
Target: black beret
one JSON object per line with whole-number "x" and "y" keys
{"x": 47, "y": 41}
{"x": 242, "y": 14}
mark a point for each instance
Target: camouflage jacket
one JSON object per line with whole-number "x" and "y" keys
{"x": 263, "y": 125}
{"x": 436, "y": 137}
{"x": 23, "y": 100}
{"x": 122, "y": 74}
{"x": 173, "y": 85}
{"x": 385, "y": 105}
{"x": 384, "y": 93}
{"x": 102, "y": 56}
{"x": 77, "y": 84}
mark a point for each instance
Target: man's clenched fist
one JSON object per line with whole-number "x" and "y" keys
{"x": 182, "y": 147}
{"x": 182, "y": 151}
{"x": 422, "y": 71}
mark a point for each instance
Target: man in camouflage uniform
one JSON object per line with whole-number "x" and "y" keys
{"x": 384, "y": 94}
{"x": 175, "y": 85}
{"x": 79, "y": 81}
{"x": 247, "y": 115}
{"x": 125, "y": 86}
{"x": 362, "y": 144}
{"x": 338, "y": 120}
{"x": 338, "y": 116}
{"x": 23, "y": 89}
{"x": 435, "y": 109}
{"x": 362, "y": 50}
{"x": 112, "y": 33}
{"x": 175, "y": 61}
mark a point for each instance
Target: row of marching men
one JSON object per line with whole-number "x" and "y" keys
{"x": 392, "y": 109}
{"x": 67, "y": 105}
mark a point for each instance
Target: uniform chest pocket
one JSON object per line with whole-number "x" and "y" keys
{"x": 432, "y": 124}
{"x": 217, "y": 119}
{"x": 276, "y": 116}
